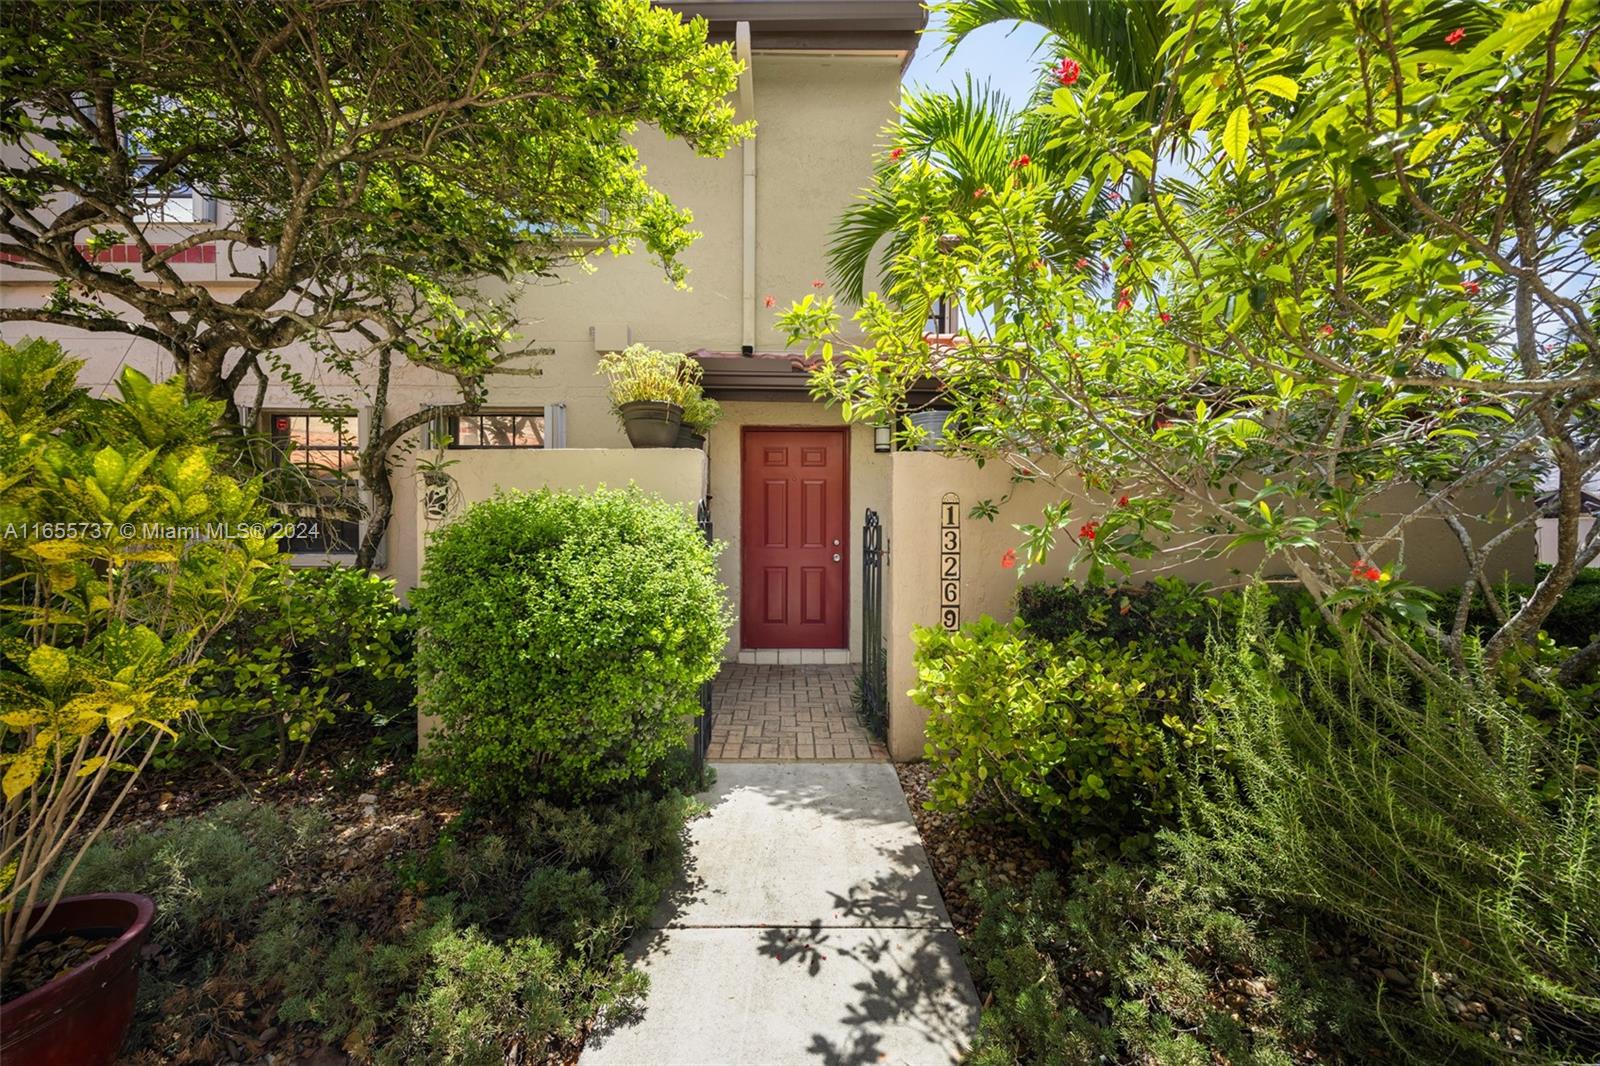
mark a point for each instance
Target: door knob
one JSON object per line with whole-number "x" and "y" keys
{"x": 835, "y": 556}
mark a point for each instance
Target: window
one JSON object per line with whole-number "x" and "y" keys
{"x": 171, "y": 200}
{"x": 498, "y": 429}
{"x": 323, "y": 499}
{"x": 942, "y": 318}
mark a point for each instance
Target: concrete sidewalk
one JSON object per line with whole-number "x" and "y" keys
{"x": 808, "y": 930}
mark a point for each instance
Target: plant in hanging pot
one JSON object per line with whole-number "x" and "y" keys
{"x": 133, "y": 548}
{"x": 439, "y": 485}
{"x": 648, "y": 390}
{"x": 699, "y": 415}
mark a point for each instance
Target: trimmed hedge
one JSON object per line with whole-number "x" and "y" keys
{"x": 563, "y": 639}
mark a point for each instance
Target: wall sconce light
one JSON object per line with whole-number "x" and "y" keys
{"x": 882, "y": 438}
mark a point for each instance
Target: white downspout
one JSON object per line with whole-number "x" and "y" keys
{"x": 747, "y": 104}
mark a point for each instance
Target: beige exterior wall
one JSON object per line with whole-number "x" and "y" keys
{"x": 919, "y": 481}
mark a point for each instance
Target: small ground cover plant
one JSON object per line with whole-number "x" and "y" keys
{"x": 497, "y": 938}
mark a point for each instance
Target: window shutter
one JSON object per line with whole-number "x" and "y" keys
{"x": 555, "y": 425}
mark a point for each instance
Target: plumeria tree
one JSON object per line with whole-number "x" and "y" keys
{"x": 1358, "y": 296}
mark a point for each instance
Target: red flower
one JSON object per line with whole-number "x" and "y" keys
{"x": 1165, "y": 317}
{"x": 1020, "y": 161}
{"x": 979, "y": 193}
{"x": 1128, "y": 244}
{"x": 1326, "y": 330}
{"x": 1068, "y": 71}
{"x": 1087, "y": 530}
{"x": 1009, "y": 559}
{"x": 1037, "y": 264}
{"x": 1122, "y": 501}
{"x": 896, "y": 153}
{"x": 1114, "y": 196}
{"x": 816, "y": 284}
{"x": 1470, "y": 288}
{"x": 1081, "y": 263}
{"x": 1372, "y": 574}
{"x": 770, "y": 302}
{"x": 1357, "y": 568}
{"x": 1455, "y": 36}
{"x": 1124, "y": 303}
{"x": 1162, "y": 423}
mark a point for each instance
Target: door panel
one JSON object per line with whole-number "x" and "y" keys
{"x": 793, "y": 487}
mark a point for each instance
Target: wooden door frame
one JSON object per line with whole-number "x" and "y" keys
{"x": 844, "y": 546}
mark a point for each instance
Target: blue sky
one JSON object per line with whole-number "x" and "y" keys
{"x": 1007, "y": 55}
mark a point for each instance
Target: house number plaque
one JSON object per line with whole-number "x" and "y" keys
{"x": 950, "y": 562}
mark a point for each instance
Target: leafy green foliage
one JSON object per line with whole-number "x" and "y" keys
{"x": 127, "y": 545}
{"x": 389, "y": 157}
{"x": 640, "y": 373}
{"x": 1149, "y": 964}
{"x": 1435, "y": 817}
{"x": 1313, "y": 326}
{"x": 563, "y": 641}
{"x": 318, "y": 644}
{"x": 1070, "y": 740}
{"x": 516, "y": 940}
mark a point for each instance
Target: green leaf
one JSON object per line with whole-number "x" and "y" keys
{"x": 1236, "y": 136}
{"x": 1278, "y": 85}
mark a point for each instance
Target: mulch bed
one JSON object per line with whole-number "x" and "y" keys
{"x": 1002, "y": 853}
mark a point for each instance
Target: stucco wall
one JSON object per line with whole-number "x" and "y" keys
{"x": 869, "y": 487}
{"x": 918, "y": 481}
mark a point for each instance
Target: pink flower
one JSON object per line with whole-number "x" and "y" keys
{"x": 1068, "y": 71}
{"x": 816, "y": 284}
{"x": 1326, "y": 330}
{"x": 1081, "y": 263}
{"x": 1165, "y": 317}
{"x": 1455, "y": 36}
{"x": 770, "y": 302}
{"x": 979, "y": 193}
{"x": 1008, "y": 561}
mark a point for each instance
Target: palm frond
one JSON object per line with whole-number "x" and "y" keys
{"x": 1120, "y": 36}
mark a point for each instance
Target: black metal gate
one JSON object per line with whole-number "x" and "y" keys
{"x": 873, "y": 686}
{"x": 702, "y": 737}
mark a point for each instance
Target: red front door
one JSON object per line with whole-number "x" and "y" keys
{"x": 795, "y": 556}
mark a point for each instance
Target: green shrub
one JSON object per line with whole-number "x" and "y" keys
{"x": 1449, "y": 827}
{"x": 1068, "y": 739}
{"x": 563, "y": 641}
{"x": 1573, "y": 622}
{"x": 501, "y": 936}
{"x": 1146, "y": 964}
{"x": 321, "y": 643}
{"x": 1166, "y": 611}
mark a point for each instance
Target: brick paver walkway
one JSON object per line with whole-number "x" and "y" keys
{"x": 787, "y": 712}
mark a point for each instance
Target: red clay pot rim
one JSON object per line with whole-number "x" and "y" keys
{"x": 144, "y": 914}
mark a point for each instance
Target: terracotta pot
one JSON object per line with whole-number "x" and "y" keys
{"x": 81, "y": 1017}
{"x": 651, "y": 423}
